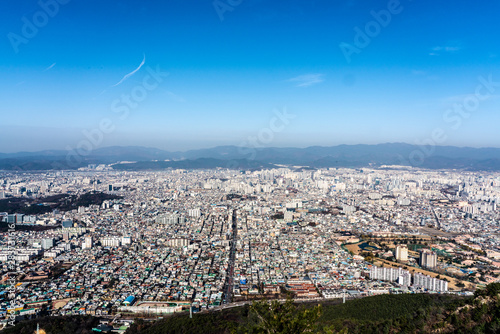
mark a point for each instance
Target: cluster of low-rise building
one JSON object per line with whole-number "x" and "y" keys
{"x": 203, "y": 238}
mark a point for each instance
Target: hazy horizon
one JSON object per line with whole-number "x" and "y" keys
{"x": 234, "y": 145}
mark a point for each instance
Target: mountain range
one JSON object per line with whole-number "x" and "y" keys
{"x": 356, "y": 156}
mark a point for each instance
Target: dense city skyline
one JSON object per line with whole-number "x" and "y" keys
{"x": 349, "y": 72}
{"x": 171, "y": 241}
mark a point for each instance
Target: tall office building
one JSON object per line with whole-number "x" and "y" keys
{"x": 111, "y": 242}
{"x": 194, "y": 212}
{"x": 404, "y": 279}
{"x": 126, "y": 240}
{"x": 178, "y": 242}
{"x": 47, "y": 243}
{"x": 402, "y": 253}
{"x": 170, "y": 219}
{"x": 88, "y": 242}
{"x": 390, "y": 274}
{"x": 429, "y": 283}
{"x": 428, "y": 258}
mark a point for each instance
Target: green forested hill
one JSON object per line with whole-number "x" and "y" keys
{"x": 378, "y": 314}
{"x": 56, "y": 325}
{"x": 406, "y": 313}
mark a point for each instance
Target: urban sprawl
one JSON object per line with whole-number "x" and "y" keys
{"x": 160, "y": 242}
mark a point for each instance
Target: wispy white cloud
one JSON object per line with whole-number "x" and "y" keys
{"x": 48, "y": 68}
{"x": 307, "y": 80}
{"x": 449, "y": 48}
{"x": 128, "y": 75}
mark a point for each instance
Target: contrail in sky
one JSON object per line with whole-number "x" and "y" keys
{"x": 131, "y": 73}
{"x": 48, "y": 68}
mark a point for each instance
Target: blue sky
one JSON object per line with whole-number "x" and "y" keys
{"x": 227, "y": 77}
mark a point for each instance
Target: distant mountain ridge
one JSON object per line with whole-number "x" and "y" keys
{"x": 437, "y": 157}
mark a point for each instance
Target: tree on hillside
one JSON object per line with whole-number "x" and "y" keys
{"x": 284, "y": 318}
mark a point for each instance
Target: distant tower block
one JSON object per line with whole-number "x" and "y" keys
{"x": 402, "y": 253}
{"x": 428, "y": 258}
